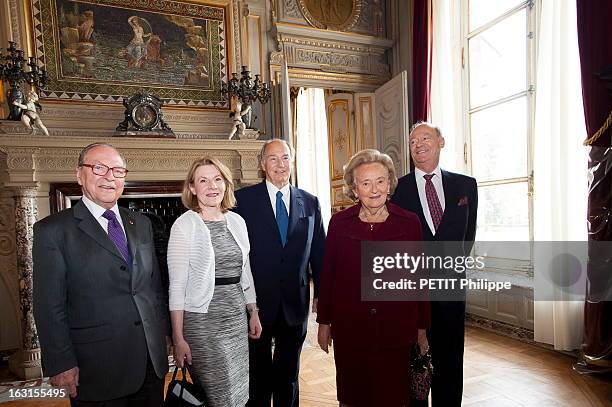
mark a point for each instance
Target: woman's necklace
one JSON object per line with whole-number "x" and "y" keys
{"x": 370, "y": 218}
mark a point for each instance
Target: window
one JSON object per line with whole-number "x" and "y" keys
{"x": 498, "y": 103}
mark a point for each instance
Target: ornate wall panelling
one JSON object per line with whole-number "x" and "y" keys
{"x": 354, "y": 60}
{"x": 392, "y": 121}
{"x": 342, "y": 142}
{"x": 359, "y": 16}
{"x": 9, "y": 280}
{"x": 254, "y": 54}
{"x": 309, "y": 48}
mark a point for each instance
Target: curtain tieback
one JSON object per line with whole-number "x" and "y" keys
{"x": 599, "y": 132}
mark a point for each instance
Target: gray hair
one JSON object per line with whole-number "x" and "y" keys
{"x": 262, "y": 153}
{"x": 428, "y": 124}
{"x": 367, "y": 156}
{"x": 90, "y": 147}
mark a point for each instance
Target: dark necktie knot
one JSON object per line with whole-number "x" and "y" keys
{"x": 428, "y": 177}
{"x": 279, "y": 195}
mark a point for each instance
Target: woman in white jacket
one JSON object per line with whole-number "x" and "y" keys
{"x": 211, "y": 286}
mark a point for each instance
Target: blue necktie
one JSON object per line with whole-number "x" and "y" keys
{"x": 282, "y": 218}
{"x": 115, "y": 233}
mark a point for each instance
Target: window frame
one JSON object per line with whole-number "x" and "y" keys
{"x": 532, "y": 8}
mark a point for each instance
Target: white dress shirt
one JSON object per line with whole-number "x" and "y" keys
{"x": 437, "y": 183}
{"x": 272, "y": 190}
{"x": 97, "y": 211}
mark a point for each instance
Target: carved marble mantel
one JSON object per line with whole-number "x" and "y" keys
{"x": 29, "y": 164}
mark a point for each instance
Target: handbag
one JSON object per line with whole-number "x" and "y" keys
{"x": 420, "y": 373}
{"x": 183, "y": 393}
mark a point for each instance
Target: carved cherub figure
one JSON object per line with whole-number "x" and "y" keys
{"x": 238, "y": 125}
{"x": 29, "y": 114}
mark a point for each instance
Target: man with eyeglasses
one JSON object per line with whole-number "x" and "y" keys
{"x": 99, "y": 305}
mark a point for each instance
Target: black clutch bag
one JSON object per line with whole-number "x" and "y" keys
{"x": 183, "y": 393}
{"x": 421, "y": 371}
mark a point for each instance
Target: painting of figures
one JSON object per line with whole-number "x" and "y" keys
{"x": 102, "y": 49}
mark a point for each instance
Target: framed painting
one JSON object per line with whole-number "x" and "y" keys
{"x": 104, "y": 50}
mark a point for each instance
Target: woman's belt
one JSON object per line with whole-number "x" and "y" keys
{"x": 227, "y": 280}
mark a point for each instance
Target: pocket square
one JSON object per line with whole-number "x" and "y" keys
{"x": 463, "y": 201}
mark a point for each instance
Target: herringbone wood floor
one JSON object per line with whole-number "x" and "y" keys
{"x": 498, "y": 372}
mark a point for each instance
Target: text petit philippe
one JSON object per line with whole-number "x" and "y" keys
{"x": 411, "y": 264}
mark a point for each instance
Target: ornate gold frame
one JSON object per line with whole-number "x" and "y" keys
{"x": 29, "y": 32}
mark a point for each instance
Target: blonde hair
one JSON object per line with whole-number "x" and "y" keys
{"x": 190, "y": 201}
{"x": 367, "y": 156}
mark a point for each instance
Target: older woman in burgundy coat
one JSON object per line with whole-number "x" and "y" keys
{"x": 371, "y": 340}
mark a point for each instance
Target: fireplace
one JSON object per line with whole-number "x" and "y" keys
{"x": 37, "y": 176}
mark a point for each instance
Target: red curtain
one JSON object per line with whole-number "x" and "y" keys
{"x": 594, "y": 41}
{"x": 421, "y": 60}
{"x": 595, "y": 44}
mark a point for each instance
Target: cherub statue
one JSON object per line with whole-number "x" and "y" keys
{"x": 29, "y": 114}
{"x": 238, "y": 125}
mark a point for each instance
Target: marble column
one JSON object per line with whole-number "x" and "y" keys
{"x": 26, "y": 362}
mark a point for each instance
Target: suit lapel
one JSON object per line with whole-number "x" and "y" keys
{"x": 129, "y": 225}
{"x": 450, "y": 199}
{"x": 417, "y": 207}
{"x": 296, "y": 209}
{"x": 266, "y": 210}
{"x": 89, "y": 225}
{"x": 414, "y": 192}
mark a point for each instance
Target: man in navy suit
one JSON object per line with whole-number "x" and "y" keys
{"x": 446, "y": 204}
{"x": 287, "y": 236}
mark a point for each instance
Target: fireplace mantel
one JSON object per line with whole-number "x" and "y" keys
{"x": 34, "y": 158}
{"x": 30, "y": 163}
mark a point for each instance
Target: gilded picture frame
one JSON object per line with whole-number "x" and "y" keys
{"x": 105, "y": 50}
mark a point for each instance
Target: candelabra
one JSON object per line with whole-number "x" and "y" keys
{"x": 13, "y": 71}
{"x": 247, "y": 90}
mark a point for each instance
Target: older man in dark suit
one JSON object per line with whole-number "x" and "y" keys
{"x": 287, "y": 236}
{"x": 98, "y": 300}
{"x": 446, "y": 204}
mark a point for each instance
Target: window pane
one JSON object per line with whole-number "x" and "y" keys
{"x": 503, "y": 213}
{"x": 499, "y": 141}
{"x": 483, "y": 11}
{"x": 498, "y": 60}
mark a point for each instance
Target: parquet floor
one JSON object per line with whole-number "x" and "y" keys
{"x": 499, "y": 372}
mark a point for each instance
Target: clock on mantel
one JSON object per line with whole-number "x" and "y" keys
{"x": 143, "y": 117}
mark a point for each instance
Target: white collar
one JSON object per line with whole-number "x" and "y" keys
{"x": 418, "y": 173}
{"x": 272, "y": 189}
{"x": 96, "y": 210}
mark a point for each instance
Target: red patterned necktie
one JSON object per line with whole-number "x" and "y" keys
{"x": 435, "y": 209}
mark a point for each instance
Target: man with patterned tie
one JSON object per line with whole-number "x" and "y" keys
{"x": 287, "y": 238}
{"x": 446, "y": 204}
{"x": 99, "y": 305}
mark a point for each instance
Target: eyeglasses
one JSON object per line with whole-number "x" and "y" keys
{"x": 102, "y": 170}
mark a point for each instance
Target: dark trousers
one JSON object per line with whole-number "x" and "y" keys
{"x": 275, "y": 376}
{"x": 150, "y": 394}
{"x": 446, "y": 339}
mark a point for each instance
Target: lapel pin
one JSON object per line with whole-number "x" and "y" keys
{"x": 131, "y": 221}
